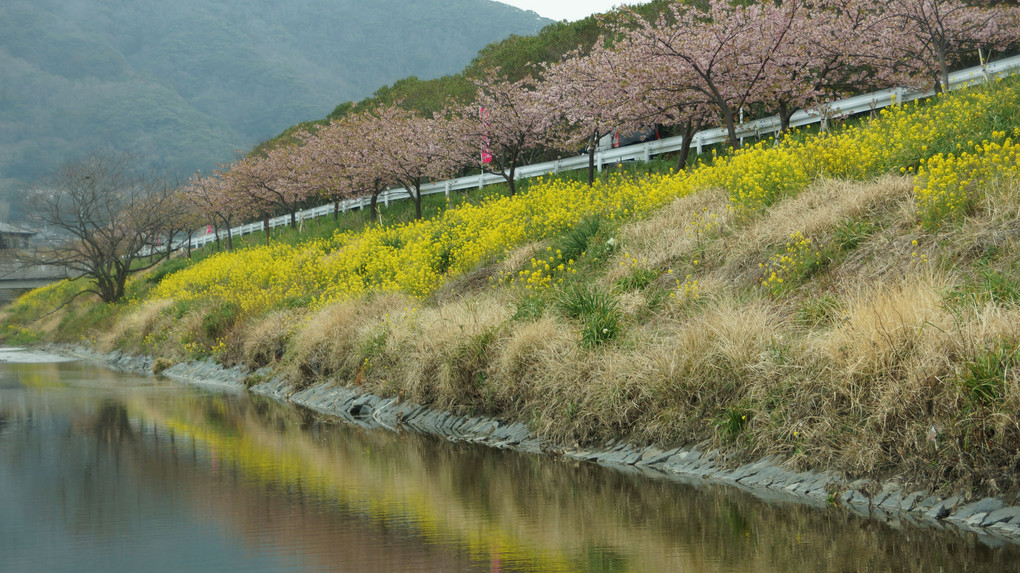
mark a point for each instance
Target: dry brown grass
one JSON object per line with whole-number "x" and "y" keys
{"x": 883, "y": 324}
{"x": 821, "y": 207}
{"x": 815, "y": 214}
{"x": 675, "y": 232}
{"x": 520, "y": 257}
{"x": 341, "y": 341}
{"x": 131, "y": 330}
{"x": 530, "y": 354}
{"x": 264, "y": 340}
{"x": 50, "y": 324}
{"x": 446, "y": 353}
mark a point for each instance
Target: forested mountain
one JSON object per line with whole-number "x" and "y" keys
{"x": 190, "y": 81}
{"x": 515, "y": 56}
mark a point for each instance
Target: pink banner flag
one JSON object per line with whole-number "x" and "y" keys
{"x": 483, "y": 114}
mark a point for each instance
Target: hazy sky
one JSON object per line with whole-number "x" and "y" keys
{"x": 569, "y": 9}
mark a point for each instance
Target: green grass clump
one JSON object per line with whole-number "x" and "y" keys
{"x": 596, "y": 310}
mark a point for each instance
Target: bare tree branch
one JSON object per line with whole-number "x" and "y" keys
{"x": 111, "y": 217}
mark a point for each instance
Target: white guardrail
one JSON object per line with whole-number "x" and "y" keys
{"x": 644, "y": 151}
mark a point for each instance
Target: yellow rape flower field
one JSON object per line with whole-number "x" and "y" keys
{"x": 847, "y": 300}
{"x": 417, "y": 258}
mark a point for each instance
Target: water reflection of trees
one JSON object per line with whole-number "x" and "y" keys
{"x": 111, "y": 423}
{"x": 576, "y": 516}
{"x": 283, "y": 477}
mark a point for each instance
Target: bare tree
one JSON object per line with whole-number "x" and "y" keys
{"x": 114, "y": 221}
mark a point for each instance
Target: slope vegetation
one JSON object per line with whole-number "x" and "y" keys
{"x": 846, "y": 300}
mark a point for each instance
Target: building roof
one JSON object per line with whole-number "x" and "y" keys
{"x": 9, "y": 229}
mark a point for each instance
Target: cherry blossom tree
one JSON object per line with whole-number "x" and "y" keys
{"x": 706, "y": 65}
{"x": 210, "y": 196}
{"x": 853, "y": 47}
{"x": 413, "y": 150}
{"x": 509, "y": 119}
{"x": 266, "y": 184}
{"x": 590, "y": 92}
{"x": 941, "y": 31}
{"x": 793, "y": 73}
{"x": 327, "y": 165}
{"x": 664, "y": 89}
{"x": 830, "y": 48}
{"x": 246, "y": 181}
{"x": 346, "y": 155}
{"x": 723, "y": 52}
{"x": 181, "y": 227}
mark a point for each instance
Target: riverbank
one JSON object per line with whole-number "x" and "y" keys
{"x": 835, "y": 302}
{"x": 768, "y": 479}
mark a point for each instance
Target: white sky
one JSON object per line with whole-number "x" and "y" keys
{"x": 569, "y": 9}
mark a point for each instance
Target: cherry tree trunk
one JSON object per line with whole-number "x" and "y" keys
{"x": 511, "y": 180}
{"x": 416, "y": 195}
{"x": 786, "y": 112}
{"x": 685, "y": 146}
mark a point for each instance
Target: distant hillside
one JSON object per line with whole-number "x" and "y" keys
{"x": 189, "y": 81}
{"x": 514, "y": 56}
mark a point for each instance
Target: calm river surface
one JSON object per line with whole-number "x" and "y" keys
{"x": 101, "y": 471}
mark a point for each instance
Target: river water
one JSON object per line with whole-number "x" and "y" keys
{"x": 104, "y": 471}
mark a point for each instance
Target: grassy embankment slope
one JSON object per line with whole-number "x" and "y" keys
{"x": 847, "y": 301}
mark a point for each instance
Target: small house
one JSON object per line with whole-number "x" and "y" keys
{"x": 13, "y": 237}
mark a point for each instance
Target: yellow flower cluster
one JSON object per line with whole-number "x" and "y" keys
{"x": 914, "y": 256}
{"x": 948, "y": 185}
{"x": 255, "y": 279}
{"x": 904, "y": 135}
{"x": 688, "y": 290}
{"x": 543, "y": 273}
{"x": 45, "y": 299}
{"x": 416, "y": 258}
{"x": 702, "y": 224}
{"x": 783, "y": 269}
{"x": 630, "y": 263}
{"x": 756, "y": 176}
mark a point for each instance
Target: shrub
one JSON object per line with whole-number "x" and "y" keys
{"x": 984, "y": 379}
{"x": 597, "y": 310}
{"x": 850, "y": 233}
{"x": 732, "y": 422}
{"x": 220, "y": 319}
{"x": 783, "y": 270}
{"x": 529, "y": 308}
